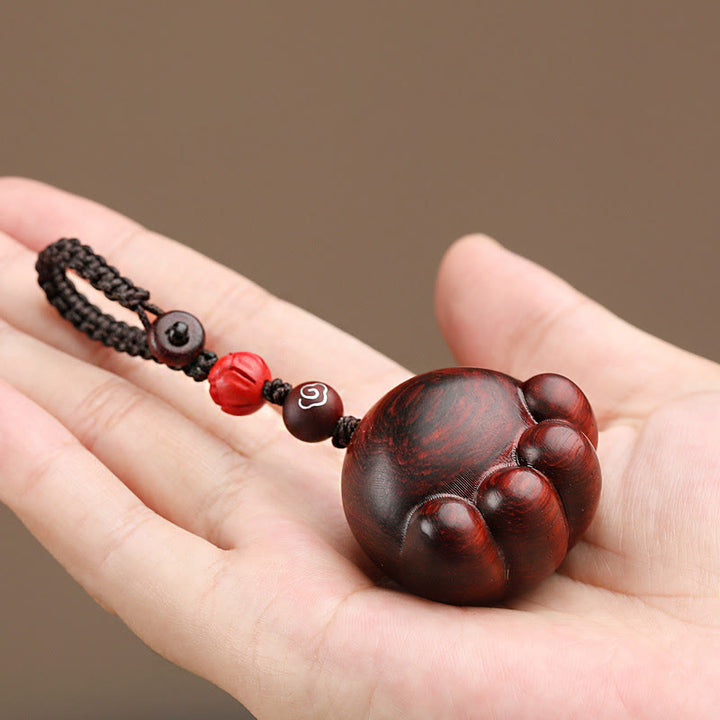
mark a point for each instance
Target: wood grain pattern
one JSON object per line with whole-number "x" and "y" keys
{"x": 464, "y": 491}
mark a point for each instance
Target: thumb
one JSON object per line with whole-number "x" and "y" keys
{"x": 502, "y": 311}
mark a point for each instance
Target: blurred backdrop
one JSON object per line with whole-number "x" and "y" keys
{"x": 331, "y": 152}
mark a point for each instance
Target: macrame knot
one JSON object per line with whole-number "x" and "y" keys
{"x": 344, "y": 430}
{"x": 275, "y": 391}
{"x": 134, "y": 297}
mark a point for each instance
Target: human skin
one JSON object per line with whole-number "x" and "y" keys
{"x": 221, "y": 542}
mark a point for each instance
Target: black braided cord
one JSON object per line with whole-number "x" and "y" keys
{"x": 70, "y": 254}
{"x": 275, "y": 391}
{"x": 344, "y": 429}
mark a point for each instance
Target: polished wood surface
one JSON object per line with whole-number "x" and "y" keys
{"x": 467, "y": 486}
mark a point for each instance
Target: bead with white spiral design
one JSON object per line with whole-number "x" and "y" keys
{"x": 312, "y": 395}
{"x": 311, "y": 411}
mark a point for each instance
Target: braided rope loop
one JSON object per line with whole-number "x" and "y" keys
{"x": 70, "y": 254}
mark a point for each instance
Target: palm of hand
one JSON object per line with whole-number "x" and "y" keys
{"x": 254, "y": 580}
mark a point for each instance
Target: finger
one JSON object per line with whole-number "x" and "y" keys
{"x": 222, "y": 614}
{"x": 179, "y": 470}
{"x": 150, "y": 572}
{"x": 499, "y": 310}
{"x": 236, "y": 313}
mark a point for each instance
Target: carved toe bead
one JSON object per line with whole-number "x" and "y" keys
{"x": 565, "y": 455}
{"x": 550, "y": 396}
{"x": 526, "y": 518}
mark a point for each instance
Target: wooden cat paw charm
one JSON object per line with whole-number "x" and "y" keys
{"x": 468, "y": 486}
{"x": 464, "y": 485}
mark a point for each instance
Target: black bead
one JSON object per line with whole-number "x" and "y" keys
{"x": 178, "y": 334}
{"x": 176, "y": 338}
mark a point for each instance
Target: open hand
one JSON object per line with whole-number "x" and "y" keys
{"x": 222, "y": 542}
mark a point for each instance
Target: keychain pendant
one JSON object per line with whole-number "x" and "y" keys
{"x": 467, "y": 486}
{"x": 464, "y": 485}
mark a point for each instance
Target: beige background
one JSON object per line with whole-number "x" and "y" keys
{"x": 331, "y": 151}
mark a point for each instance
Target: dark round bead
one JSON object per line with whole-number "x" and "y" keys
{"x": 311, "y": 411}
{"x": 176, "y": 338}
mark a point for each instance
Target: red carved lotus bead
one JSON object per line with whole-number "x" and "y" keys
{"x": 236, "y": 382}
